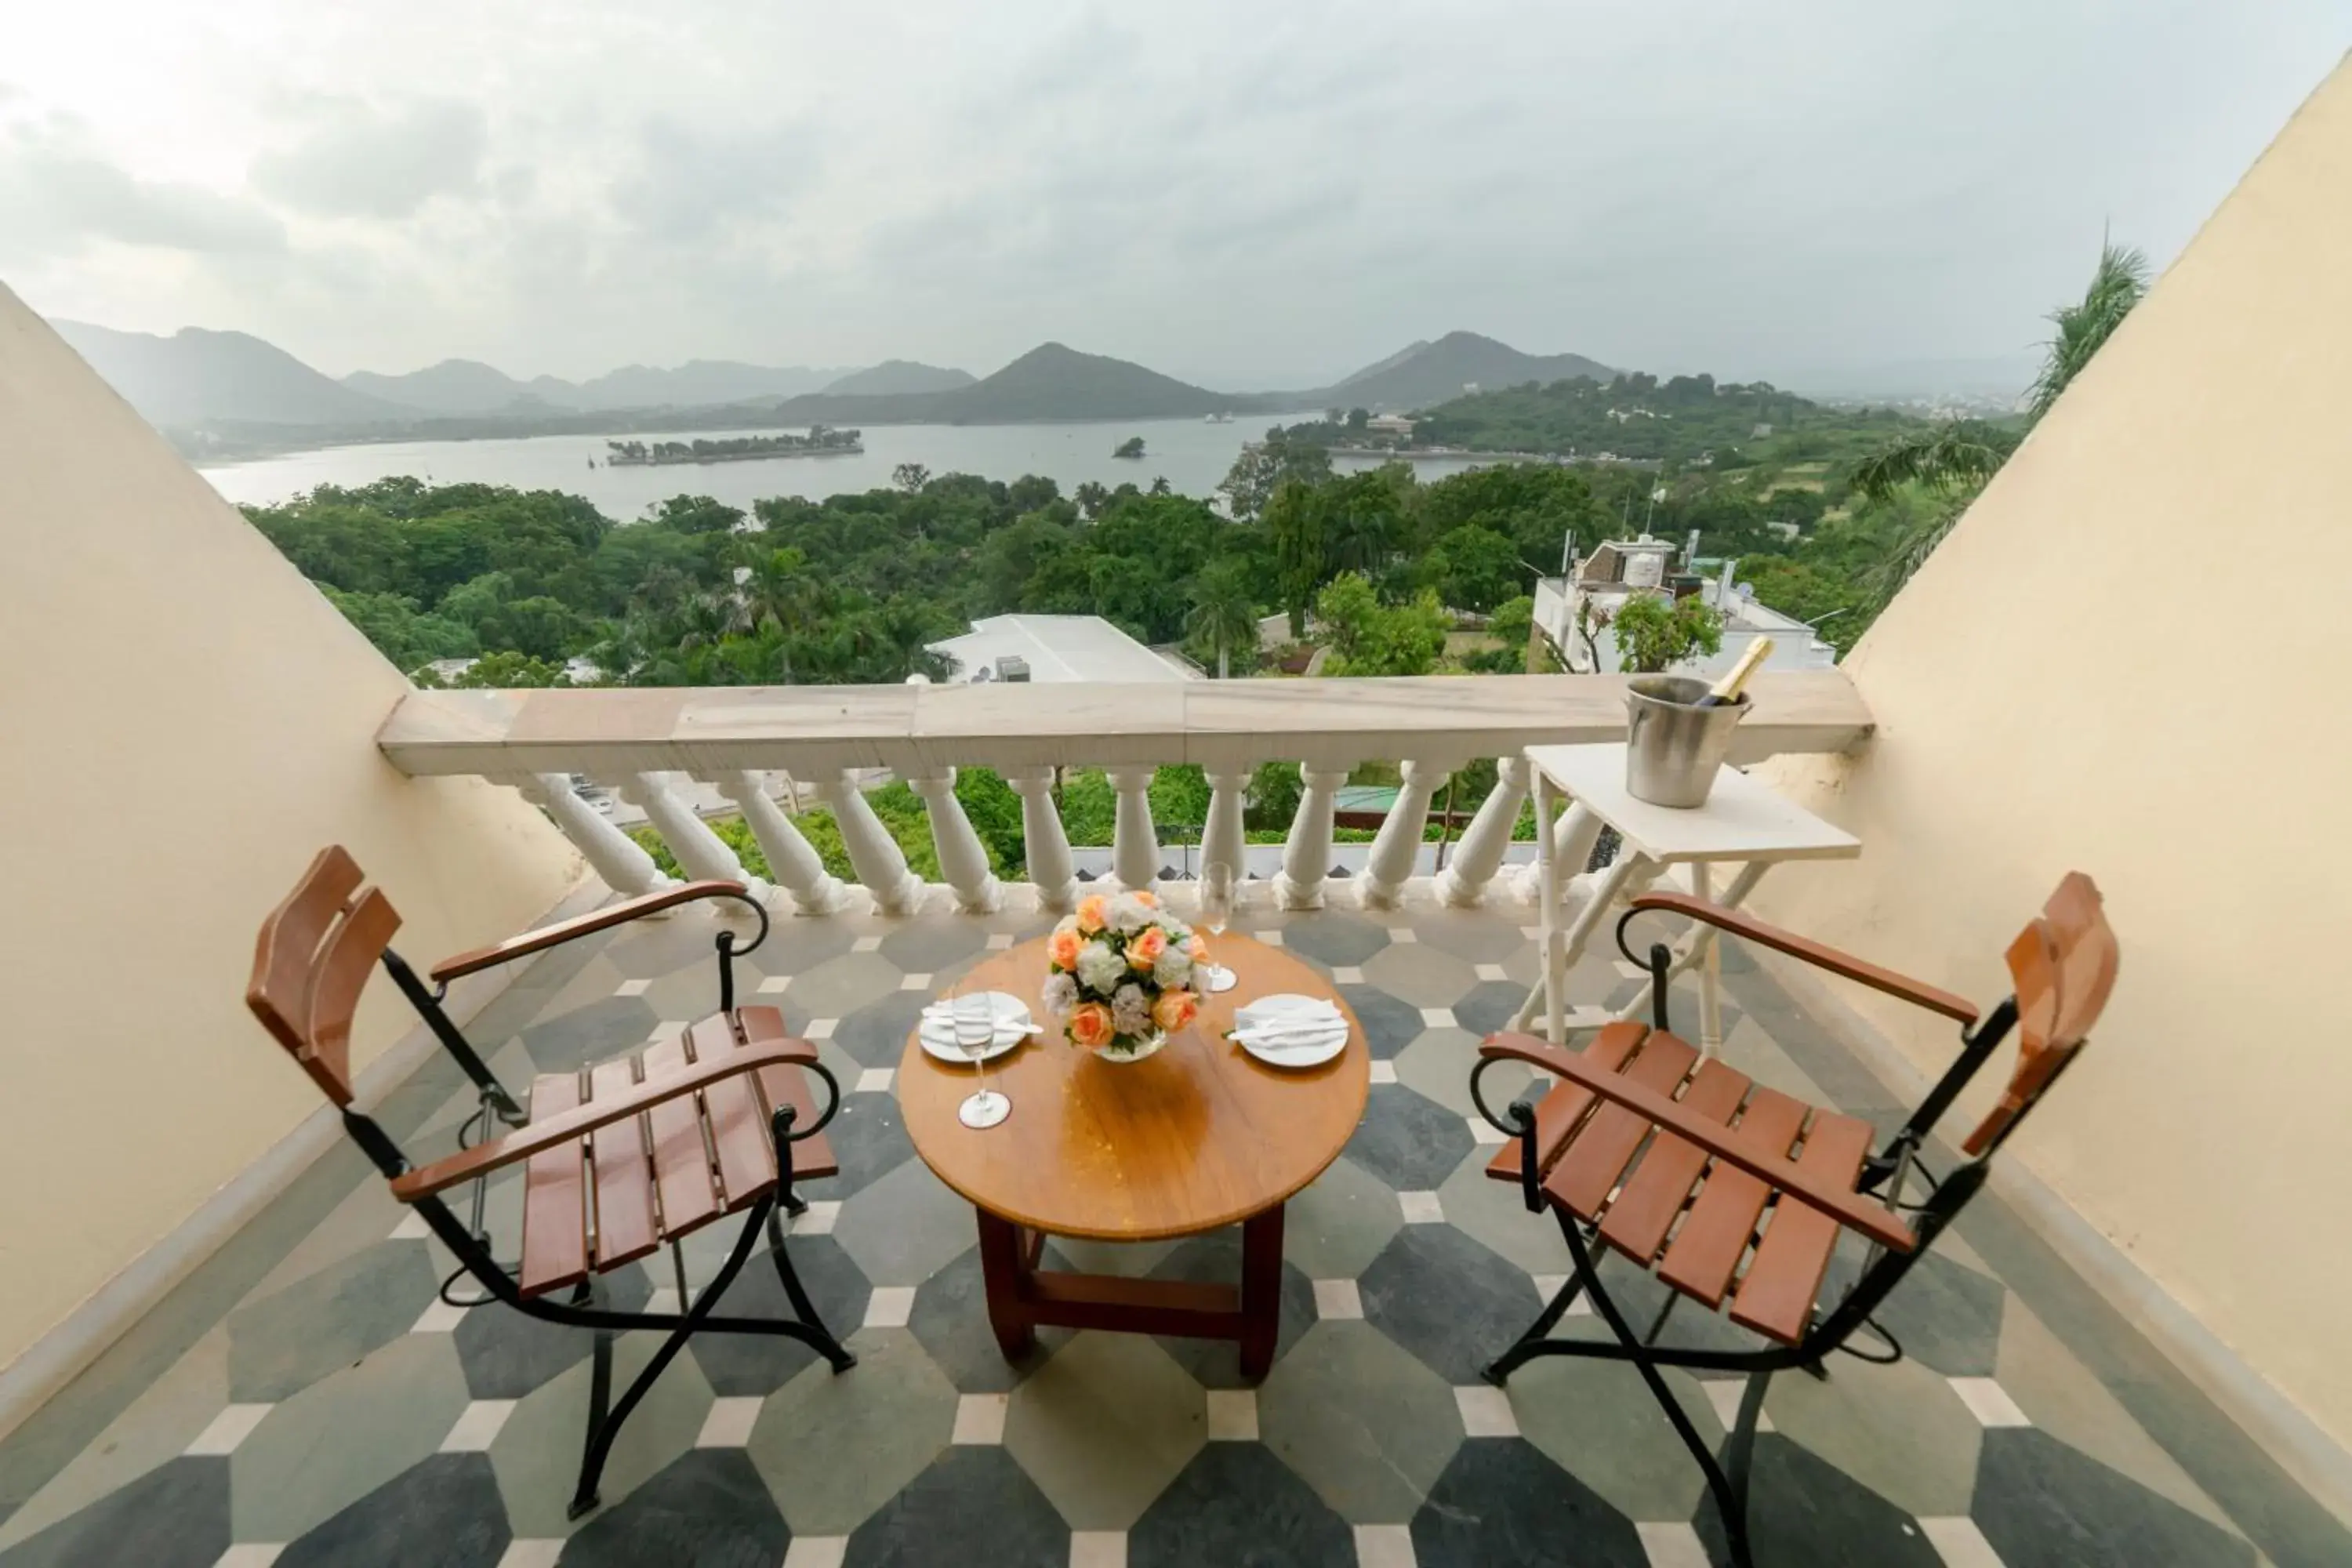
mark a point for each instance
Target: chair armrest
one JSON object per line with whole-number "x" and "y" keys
{"x": 1748, "y": 928}
{"x": 595, "y": 920}
{"x": 1850, "y": 1209}
{"x": 570, "y": 1125}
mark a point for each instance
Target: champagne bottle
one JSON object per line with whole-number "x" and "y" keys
{"x": 1726, "y": 690}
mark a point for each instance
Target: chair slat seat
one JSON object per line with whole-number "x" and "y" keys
{"x": 1706, "y": 1252}
{"x": 554, "y": 1197}
{"x": 1558, "y": 1111}
{"x": 1645, "y": 1209}
{"x": 665, "y": 1172}
{"x": 1777, "y": 1294}
{"x": 1588, "y": 1169}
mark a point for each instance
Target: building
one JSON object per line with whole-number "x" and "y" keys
{"x": 1621, "y": 568}
{"x": 1052, "y": 648}
{"x": 1391, "y": 424}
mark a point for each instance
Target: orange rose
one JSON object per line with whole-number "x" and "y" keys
{"x": 1146, "y": 898}
{"x": 1144, "y": 948}
{"x": 1175, "y": 1009}
{"x": 1090, "y": 1025}
{"x": 1195, "y": 949}
{"x": 1091, "y": 911}
{"x": 1063, "y": 946}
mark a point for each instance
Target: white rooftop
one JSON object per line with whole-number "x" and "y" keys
{"x": 1054, "y": 648}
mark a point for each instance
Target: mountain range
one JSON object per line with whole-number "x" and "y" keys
{"x": 234, "y": 385}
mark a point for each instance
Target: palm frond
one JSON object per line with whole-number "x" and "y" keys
{"x": 2118, "y": 284}
{"x": 1958, "y": 456}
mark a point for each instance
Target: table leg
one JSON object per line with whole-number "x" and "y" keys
{"x": 1260, "y": 1292}
{"x": 1006, "y": 1272}
{"x": 1700, "y": 947}
{"x": 1562, "y": 950}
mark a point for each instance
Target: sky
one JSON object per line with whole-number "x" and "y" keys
{"x": 1244, "y": 196}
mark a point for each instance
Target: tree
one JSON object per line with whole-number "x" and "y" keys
{"x": 1265, "y": 466}
{"x": 910, "y": 477}
{"x": 1130, "y": 448}
{"x": 2117, "y": 284}
{"x": 509, "y": 670}
{"x": 1359, "y": 418}
{"x": 1367, "y": 637}
{"x": 1294, "y": 522}
{"x": 1224, "y": 611}
{"x": 1091, "y": 499}
{"x": 1654, "y": 633}
{"x": 1474, "y": 570}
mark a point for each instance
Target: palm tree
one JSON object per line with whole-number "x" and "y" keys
{"x": 775, "y": 595}
{"x": 1952, "y": 462}
{"x": 1224, "y": 613}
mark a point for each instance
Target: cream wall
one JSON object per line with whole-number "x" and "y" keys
{"x": 2131, "y": 657}
{"x": 186, "y": 722}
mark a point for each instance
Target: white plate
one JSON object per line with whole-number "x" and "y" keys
{"x": 1300, "y": 1044}
{"x": 1014, "y": 1024}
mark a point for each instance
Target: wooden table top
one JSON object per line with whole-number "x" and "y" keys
{"x": 1198, "y": 1136}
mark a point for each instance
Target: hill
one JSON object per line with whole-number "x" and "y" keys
{"x": 196, "y": 377}
{"x": 459, "y": 387}
{"x": 1429, "y": 373}
{"x": 697, "y": 383}
{"x": 1050, "y": 382}
{"x": 896, "y": 376}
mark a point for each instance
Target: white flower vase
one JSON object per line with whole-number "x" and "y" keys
{"x": 1115, "y": 1052}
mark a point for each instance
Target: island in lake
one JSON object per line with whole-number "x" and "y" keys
{"x": 822, "y": 441}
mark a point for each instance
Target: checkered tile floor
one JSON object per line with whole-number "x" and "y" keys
{"x": 306, "y": 1399}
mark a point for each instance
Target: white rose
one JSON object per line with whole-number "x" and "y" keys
{"x": 1099, "y": 967}
{"x": 1174, "y": 968}
{"x": 1128, "y": 914}
{"x": 1060, "y": 996}
{"x": 1178, "y": 931}
{"x": 1131, "y": 1009}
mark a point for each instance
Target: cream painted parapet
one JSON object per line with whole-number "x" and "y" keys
{"x": 922, "y": 733}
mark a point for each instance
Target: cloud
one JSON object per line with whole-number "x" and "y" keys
{"x": 690, "y": 181}
{"x": 357, "y": 160}
{"x": 61, "y": 197}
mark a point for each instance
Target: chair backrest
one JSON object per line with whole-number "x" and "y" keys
{"x": 314, "y": 955}
{"x": 2063, "y": 966}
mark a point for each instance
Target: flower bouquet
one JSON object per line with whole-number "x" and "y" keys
{"x": 1122, "y": 978}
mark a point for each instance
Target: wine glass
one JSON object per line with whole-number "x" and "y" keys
{"x": 972, "y": 1015}
{"x": 1216, "y": 913}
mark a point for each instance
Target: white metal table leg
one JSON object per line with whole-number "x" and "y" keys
{"x": 1561, "y": 949}
{"x": 1700, "y": 947}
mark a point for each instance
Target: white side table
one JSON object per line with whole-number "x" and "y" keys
{"x": 1742, "y": 820}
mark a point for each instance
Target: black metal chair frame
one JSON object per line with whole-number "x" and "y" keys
{"x": 1887, "y": 1171}
{"x": 470, "y": 1244}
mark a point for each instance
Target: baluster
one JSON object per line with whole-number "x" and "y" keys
{"x": 1572, "y": 839}
{"x": 701, "y": 853}
{"x": 791, "y": 861}
{"x": 1135, "y": 845}
{"x": 1485, "y": 842}
{"x": 1397, "y": 846}
{"x": 618, "y": 859}
{"x": 874, "y": 855}
{"x": 1047, "y": 843}
{"x": 1224, "y": 841}
{"x": 964, "y": 861}
{"x": 1306, "y": 856}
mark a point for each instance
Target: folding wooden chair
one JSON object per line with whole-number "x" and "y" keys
{"x": 619, "y": 1159}
{"x": 1729, "y": 1190}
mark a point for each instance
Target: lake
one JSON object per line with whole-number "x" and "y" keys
{"x": 1193, "y": 455}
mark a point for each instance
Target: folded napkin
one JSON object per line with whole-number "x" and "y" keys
{"x": 1011, "y": 1014}
{"x": 1276, "y": 1023}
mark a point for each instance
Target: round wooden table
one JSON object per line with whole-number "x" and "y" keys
{"x": 1199, "y": 1136}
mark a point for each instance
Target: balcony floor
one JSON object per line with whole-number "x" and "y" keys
{"x": 304, "y": 1390}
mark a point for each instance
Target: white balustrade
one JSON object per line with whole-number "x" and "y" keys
{"x": 796, "y": 867}
{"x": 1135, "y": 845}
{"x": 1224, "y": 838}
{"x": 874, "y": 855}
{"x": 1572, "y": 839}
{"x": 1485, "y": 842}
{"x": 1397, "y": 846}
{"x": 1306, "y": 855}
{"x": 1045, "y": 843}
{"x": 618, "y": 859}
{"x": 963, "y": 860}
{"x": 701, "y": 853}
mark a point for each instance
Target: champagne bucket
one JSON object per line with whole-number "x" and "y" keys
{"x": 1674, "y": 749}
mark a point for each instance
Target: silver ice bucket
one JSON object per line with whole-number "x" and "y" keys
{"x": 1671, "y": 748}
